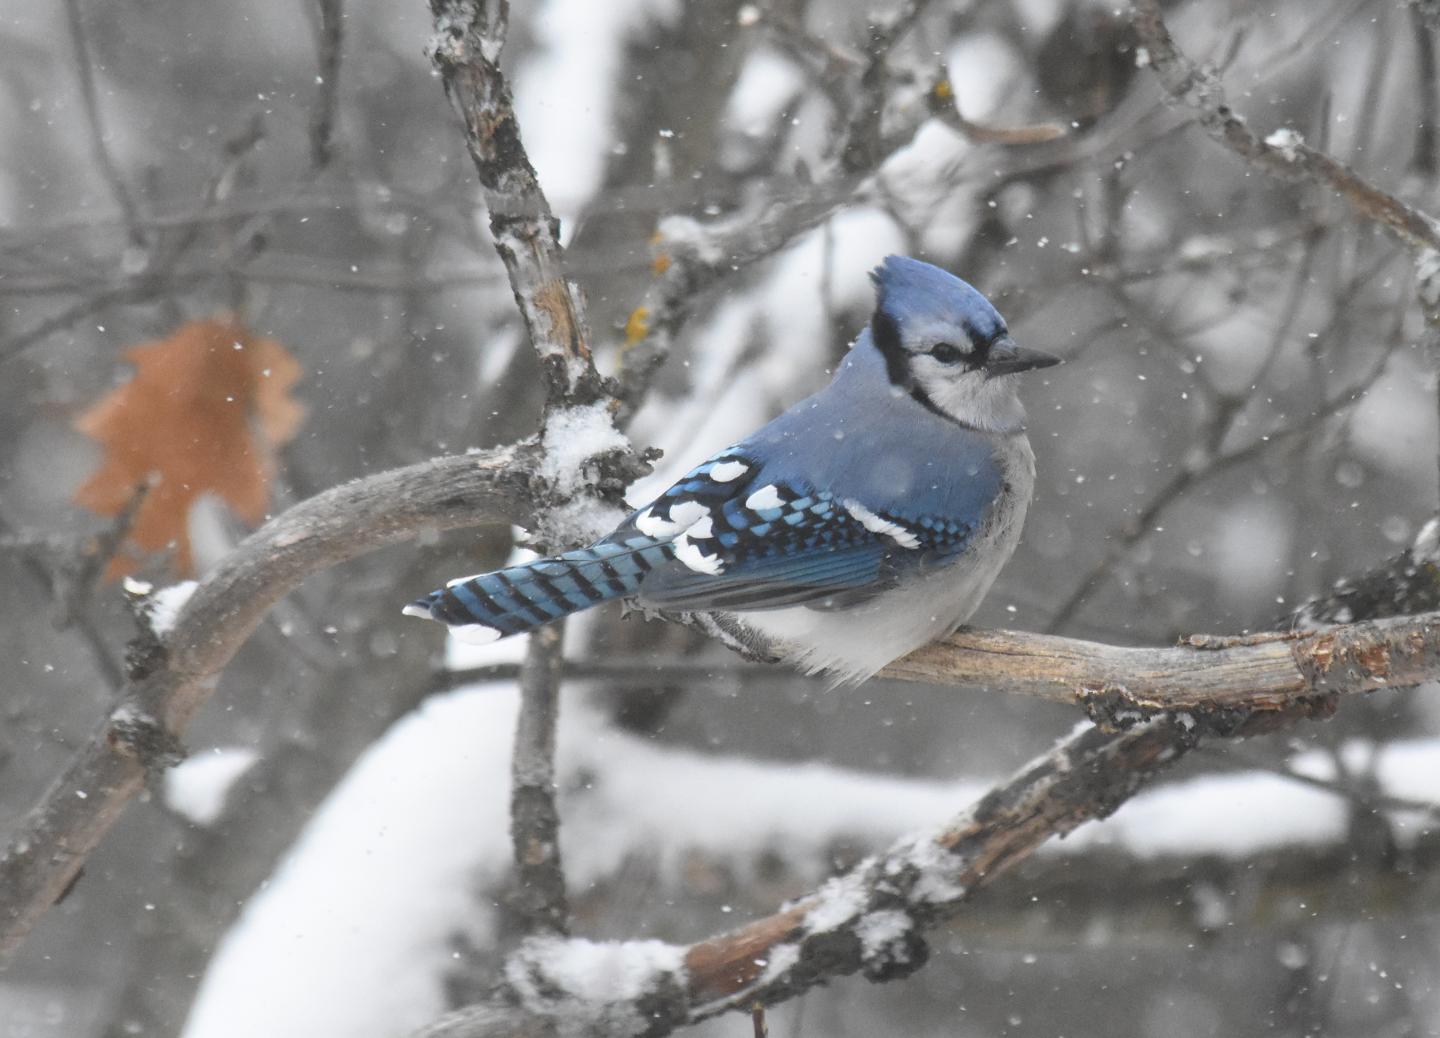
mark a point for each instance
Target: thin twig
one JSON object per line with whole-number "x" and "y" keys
{"x": 46, "y": 574}
{"x": 85, "y": 578}
{"x": 1344, "y": 786}
{"x": 119, "y": 190}
{"x": 322, "y": 115}
{"x": 162, "y": 274}
{"x": 534, "y": 818}
{"x": 1283, "y": 154}
{"x": 1423, "y": 161}
{"x": 1187, "y": 477}
{"x": 692, "y": 258}
{"x": 138, "y": 291}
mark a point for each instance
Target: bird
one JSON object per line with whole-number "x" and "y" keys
{"x": 864, "y": 522}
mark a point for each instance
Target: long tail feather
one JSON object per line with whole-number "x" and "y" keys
{"x": 521, "y": 598}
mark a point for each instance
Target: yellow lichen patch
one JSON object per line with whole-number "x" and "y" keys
{"x": 661, "y": 261}
{"x": 637, "y": 326}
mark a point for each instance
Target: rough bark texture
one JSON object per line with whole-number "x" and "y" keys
{"x": 466, "y": 49}
{"x": 1209, "y": 676}
{"x": 534, "y": 818}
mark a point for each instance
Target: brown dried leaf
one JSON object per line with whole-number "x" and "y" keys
{"x": 203, "y": 413}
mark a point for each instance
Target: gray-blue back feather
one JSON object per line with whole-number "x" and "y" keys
{"x": 867, "y": 440}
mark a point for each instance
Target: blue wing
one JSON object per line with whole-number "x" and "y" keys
{"x": 740, "y": 541}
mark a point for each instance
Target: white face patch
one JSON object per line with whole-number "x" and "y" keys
{"x": 682, "y": 516}
{"x": 766, "y": 497}
{"x": 728, "y": 471}
{"x": 475, "y": 634}
{"x": 693, "y": 558}
{"x": 884, "y": 527}
{"x": 970, "y": 397}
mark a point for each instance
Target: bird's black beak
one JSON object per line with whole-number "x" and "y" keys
{"x": 1005, "y": 358}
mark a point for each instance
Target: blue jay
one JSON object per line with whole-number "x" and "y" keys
{"x": 864, "y": 522}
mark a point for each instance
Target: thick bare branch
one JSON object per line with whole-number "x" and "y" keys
{"x": 870, "y": 920}
{"x": 534, "y": 818}
{"x": 466, "y": 49}
{"x": 1205, "y": 675}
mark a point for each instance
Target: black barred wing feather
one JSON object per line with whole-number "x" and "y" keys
{"x": 745, "y": 543}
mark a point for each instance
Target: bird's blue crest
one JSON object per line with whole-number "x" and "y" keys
{"x": 909, "y": 291}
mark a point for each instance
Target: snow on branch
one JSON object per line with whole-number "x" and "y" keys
{"x": 871, "y": 920}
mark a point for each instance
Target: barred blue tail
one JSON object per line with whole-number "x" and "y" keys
{"x": 521, "y": 598}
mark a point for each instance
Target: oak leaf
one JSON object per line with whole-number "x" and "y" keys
{"x": 203, "y": 413}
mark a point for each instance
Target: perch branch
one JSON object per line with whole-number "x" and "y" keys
{"x": 872, "y": 918}
{"x": 1208, "y": 676}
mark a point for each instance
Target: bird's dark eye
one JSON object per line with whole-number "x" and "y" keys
{"x": 945, "y": 353}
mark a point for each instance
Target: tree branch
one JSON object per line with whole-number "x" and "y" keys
{"x": 871, "y": 919}
{"x": 45, "y": 855}
{"x": 1283, "y": 153}
{"x": 330, "y": 36}
{"x": 90, "y": 95}
{"x": 469, "y": 37}
{"x": 534, "y": 818}
{"x": 1210, "y": 676}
